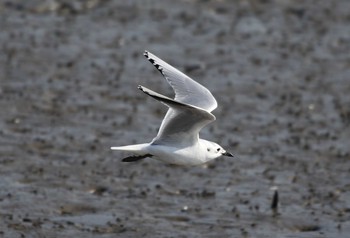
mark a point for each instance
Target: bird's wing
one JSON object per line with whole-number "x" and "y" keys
{"x": 186, "y": 89}
{"x": 182, "y": 122}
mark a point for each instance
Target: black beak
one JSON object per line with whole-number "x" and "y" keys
{"x": 227, "y": 154}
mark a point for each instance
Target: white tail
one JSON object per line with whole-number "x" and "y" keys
{"x": 138, "y": 148}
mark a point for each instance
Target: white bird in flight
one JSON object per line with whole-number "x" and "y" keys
{"x": 177, "y": 141}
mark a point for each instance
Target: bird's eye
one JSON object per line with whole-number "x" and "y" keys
{"x": 218, "y": 149}
{"x": 208, "y": 149}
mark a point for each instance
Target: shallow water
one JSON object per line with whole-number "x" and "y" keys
{"x": 69, "y": 72}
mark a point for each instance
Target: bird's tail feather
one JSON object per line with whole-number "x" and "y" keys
{"x": 137, "y": 149}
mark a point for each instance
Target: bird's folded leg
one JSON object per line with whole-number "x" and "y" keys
{"x": 134, "y": 158}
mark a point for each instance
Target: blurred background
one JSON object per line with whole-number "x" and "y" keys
{"x": 69, "y": 71}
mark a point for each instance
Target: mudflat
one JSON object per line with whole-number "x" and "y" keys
{"x": 69, "y": 71}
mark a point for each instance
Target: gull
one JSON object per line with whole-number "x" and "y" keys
{"x": 177, "y": 141}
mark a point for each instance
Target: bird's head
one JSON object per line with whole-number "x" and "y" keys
{"x": 214, "y": 150}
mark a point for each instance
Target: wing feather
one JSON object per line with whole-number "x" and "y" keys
{"x": 186, "y": 89}
{"x": 182, "y": 122}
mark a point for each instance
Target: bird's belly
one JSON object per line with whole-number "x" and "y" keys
{"x": 185, "y": 156}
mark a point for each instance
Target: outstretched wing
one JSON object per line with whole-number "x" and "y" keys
{"x": 182, "y": 122}
{"x": 186, "y": 89}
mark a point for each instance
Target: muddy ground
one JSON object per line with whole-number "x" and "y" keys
{"x": 69, "y": 71}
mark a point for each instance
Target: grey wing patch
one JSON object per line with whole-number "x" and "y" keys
{"x": 134, "y": 158}
{"x": 182, "y": 122}
{"x": 186, "y": 89}
{"x": 201, "y": 113}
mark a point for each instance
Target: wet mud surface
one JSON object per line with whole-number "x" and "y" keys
{"x": 69, "y": 71}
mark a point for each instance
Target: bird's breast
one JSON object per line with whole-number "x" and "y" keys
{"x": 188, "y": 156}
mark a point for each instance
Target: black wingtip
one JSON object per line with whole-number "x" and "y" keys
{"x": 144, "y": 90}
{"x": 160, "y": 68}
{"x": 141, "y": 88}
